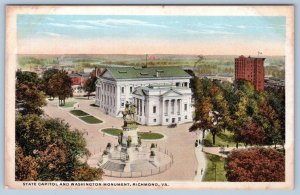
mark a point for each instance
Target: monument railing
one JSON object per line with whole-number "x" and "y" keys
{"x": 149, "y": 172}
{"x": 144, "y": 173}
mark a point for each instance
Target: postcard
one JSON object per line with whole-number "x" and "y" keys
{"x": 149, "y": 97}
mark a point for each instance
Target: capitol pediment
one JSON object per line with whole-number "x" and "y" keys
{"x": 172, "y": 93}
{"x": 107, "y": 75}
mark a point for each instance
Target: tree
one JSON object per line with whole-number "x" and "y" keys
{"x": 28, "y": 77}
{"x": 276, "y": 99}
{"x": 220, "y": 112}
{"x": 251, "y": 133}
{"x": 29, "y": 98}
{"x": 54, "y": 148}
{"x": 203, "y": 119}
{"x": 86, "y": 173}
{"x": 26, "y": 167}
{"x": 47, "y": 76}
{"x": 29, "y": 93}
{"x": 90, "y": 85}
{"x": 255, "y": 165}
{"x": 61, "y": 85}
{"x": 211, "y": 108}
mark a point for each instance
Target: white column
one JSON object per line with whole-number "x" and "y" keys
{"x": 163, "y": 110}
{"x": 142, "y": 105}
{"x": 179, "y": 106}
{"x": 169, "y": 107}
{"x": 175, "y": 107}
{"x": 138, "y": 106}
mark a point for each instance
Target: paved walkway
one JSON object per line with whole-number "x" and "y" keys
{"x": 217, "y": 150}
{"x": 179, "y": 141}
{"x": 202, "y": 162}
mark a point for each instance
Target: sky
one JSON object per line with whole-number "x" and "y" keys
{"x": 138, "y": 34}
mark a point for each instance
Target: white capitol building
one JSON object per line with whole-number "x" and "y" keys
{"x": 162, "y": 95}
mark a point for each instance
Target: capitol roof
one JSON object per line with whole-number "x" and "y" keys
{"x": 148, "y": 72}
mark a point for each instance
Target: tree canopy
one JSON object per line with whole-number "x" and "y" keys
{"x": 47, "y": 76}
{"x": 255, "y": 165}
{"x": 90, "y": 86}
{"x": 61, "y": 85}
{"x": 53, "y": 150}
{"x": 47, "y": 149}
{"x": 241, "y": 109}
{"x": 29, "y": 94}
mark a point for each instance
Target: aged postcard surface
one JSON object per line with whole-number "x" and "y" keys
{"x": 149, "y": 97}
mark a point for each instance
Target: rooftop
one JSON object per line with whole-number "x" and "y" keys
{"x": 149, "y": 72}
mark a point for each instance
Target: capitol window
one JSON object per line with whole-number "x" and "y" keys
{"x": 154, "y": 109}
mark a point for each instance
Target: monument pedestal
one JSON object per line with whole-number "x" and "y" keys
{"x": 127, "y": 167}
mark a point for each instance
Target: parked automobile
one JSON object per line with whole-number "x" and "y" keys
{"x": 172, "y": 125}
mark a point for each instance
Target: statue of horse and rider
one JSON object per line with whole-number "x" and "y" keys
{"x": 129, "y": 112}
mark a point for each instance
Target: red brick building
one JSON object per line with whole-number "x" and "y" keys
{"x": 250, "y": 69}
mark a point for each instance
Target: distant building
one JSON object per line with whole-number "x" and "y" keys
{"x": 78, "y": 82}
{"x": 162, "y": 94}
{"x": 274, "y": 83}
{"x": 218, "y": 77}
{"x": 250, "y": 69}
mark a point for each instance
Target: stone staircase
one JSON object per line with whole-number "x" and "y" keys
{"x": 112, "y": 166}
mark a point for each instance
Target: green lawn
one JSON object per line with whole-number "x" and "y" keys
{"x": 68, "y": 105}
{"x": 144, "y": 135}
{"x": 223, "y": 139}
{"x": 90, "y": 119}
{"x": 79, "y": 113}
{"x": 148, "y": 135}
{"x": 215, "y": 168}
{"x": 112, "y": 131}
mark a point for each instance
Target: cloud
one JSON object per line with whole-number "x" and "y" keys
{"x": 48, "y": 18}
{"x": 50, "y": 34}
{"x": 209, "y": 31}
{"x": 119, "y": 22}
{"x": 79, "y": 26}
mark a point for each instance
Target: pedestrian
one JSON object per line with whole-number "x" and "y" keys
{"x": 201, "y": 171}
{"x": 199, "y": 141}
{"x": 196, "y": 172}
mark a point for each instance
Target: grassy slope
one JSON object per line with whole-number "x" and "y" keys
{"x": 224, "y": 138}
{"x": 212, "y": 162}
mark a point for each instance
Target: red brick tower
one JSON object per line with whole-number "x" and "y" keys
{"x": 250, "y": 69}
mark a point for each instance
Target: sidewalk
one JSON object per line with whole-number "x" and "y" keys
{"x": 202, "y": 163}
{"x": 216, "y": 150}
